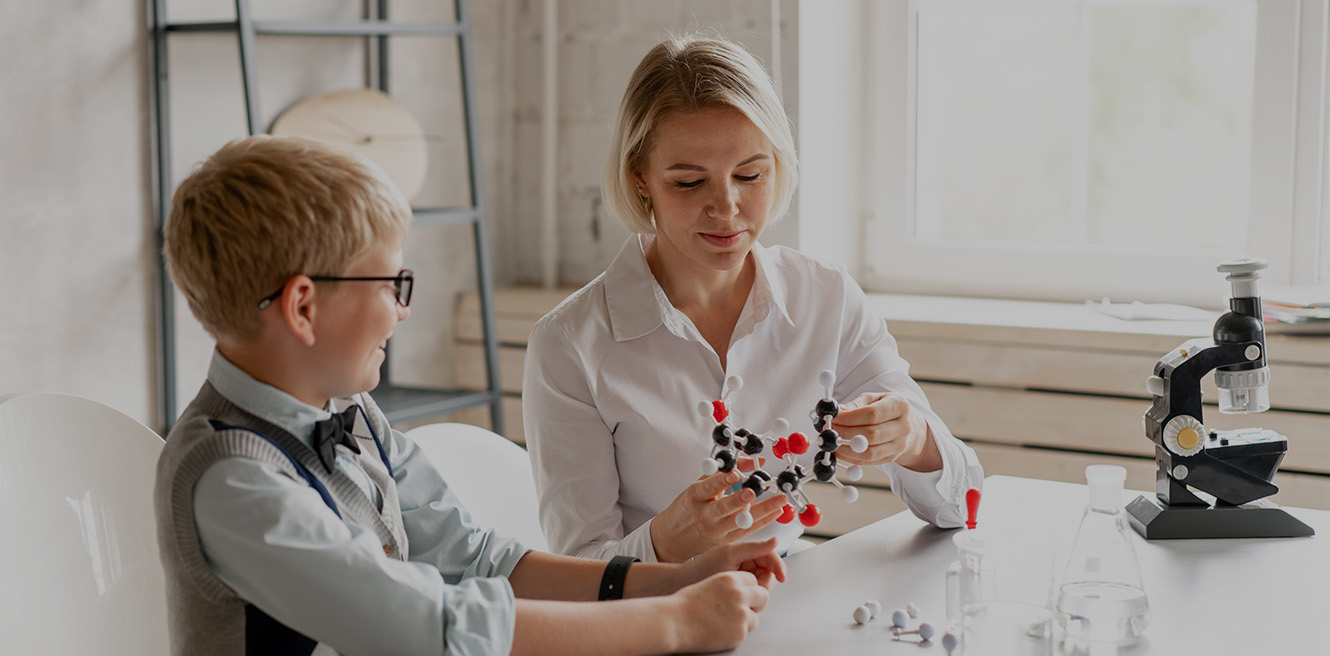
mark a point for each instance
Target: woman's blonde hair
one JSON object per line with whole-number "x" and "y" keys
{"x": 263, "y": 209}
{"x": 682, "y": 75}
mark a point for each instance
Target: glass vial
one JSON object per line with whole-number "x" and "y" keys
{"x": 1101, "y": 598}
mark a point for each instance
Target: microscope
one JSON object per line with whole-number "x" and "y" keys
{"x": 1235, "y": 467}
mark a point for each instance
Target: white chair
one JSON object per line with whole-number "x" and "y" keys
{"x": 490, "y": 475}
{"x": 79, "y": 572}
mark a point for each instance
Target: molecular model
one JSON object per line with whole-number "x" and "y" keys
{"x": 728, "y": 440}
{"x": 900, "y": 620}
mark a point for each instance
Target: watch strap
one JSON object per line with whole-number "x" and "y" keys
{"x": 616, "y": 571}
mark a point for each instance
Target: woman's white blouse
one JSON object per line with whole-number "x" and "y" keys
{"x": 615, "y": 373}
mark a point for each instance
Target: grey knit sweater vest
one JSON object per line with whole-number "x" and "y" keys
{"x": 205, "y": 616}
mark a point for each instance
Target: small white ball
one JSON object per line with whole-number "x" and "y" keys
{"x": 899, "y": 619}
{"x": 874, "y": 607}
{"x": 704, "y": 408}
{"x": 859, "y": 444}
{"x": 854, "y": 472}
{"x": 709, "y": 467}
{"x": 734, "y": 383}
{"x": 912, "y": 610}
{"x": 826, "y": 378}
{"x": 780, "y": 426}
{"x": 849, "y": 494}
{"x": 743, "y": 519}
{"x": 862, "y": 614}
{"x": 925, "y": 631}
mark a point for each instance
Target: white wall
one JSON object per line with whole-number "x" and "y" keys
{"x": 831, "y": 121}
{"x": 78, "y": 269}
{"x": 76, "y": 281}
{"x": 601, "y": 42}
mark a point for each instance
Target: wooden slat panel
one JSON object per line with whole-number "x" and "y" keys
{"x": 508, "y": 330}
{"x": 469, "y": 366}
{"x": 1302, "y": 490}
{"x": 1103, "y": 424}
{"x": 1295, "y": 489}
{"x": 1106, "y": 372}
{"x": 873, "y": 477}
{"x": 1061, "y": 466}
{"x": 480, "y": 416}
{"x": 534, "y": 302}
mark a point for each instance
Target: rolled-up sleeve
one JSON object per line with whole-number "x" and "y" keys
{"x": 273, "y": 540}
{"x": 870, "y": 362}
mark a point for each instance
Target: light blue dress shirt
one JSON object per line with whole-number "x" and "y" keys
{"x": 275, "y": 542}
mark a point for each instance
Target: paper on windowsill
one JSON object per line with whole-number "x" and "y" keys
{"x": 1138, "y": 311}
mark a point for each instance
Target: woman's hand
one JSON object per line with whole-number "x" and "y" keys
{"x": 895, "y": 432}
{"x": 702, "y": 517}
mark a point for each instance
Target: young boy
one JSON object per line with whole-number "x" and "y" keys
{"x": 293, "y": 520}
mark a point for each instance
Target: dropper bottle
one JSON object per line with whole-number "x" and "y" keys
{"x": 1101, "y": 598}
{"x": 963, "y": 579}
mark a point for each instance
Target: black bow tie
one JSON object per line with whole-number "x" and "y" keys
{"x": 333, "y": 431}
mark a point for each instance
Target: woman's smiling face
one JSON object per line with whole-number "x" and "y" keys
{"x": 710, "y": 180}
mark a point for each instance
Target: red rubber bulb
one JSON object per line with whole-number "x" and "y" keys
{"x": 798, "y": 443}
{"x": 786, "y": 514}
{"x": 810, "y": 516}
{"x": 719, "y": 411}
{"x": 972, "y": 507}
{"x": 781, "y": 447}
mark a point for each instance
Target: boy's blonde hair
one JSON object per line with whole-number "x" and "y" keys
{"x": 682, "y": 75}
{"x": 263, "y": 209}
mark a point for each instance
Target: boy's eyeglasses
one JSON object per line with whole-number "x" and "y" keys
{"x": 402, "y": 284}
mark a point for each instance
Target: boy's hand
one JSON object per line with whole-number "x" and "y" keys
{"x": 702, "y": 516}
{"x": 717, "y": 613}
{"x": 895, "y": 432}
{"x": 758, "y": 558}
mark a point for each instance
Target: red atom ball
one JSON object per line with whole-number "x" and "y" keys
{"x": 781, "y": 447}
{"x": 798, "y": 443}
{"x": 786, "y": 514}
{"x": 811, "y": 516}
{"x": 719, "y": 411}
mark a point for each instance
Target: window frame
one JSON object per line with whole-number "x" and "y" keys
{"x": 1288, "y": 162}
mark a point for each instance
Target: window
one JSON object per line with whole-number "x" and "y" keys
{"x": 1071, "y": 149}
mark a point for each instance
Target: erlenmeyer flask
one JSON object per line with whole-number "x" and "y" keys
{"x": 1101, "y": 598}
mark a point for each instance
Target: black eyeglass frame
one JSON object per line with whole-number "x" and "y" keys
{"x": 403, "y": 283}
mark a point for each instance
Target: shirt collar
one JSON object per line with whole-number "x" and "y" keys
{"x": 263, "y": 400}
{"x": 768, "y": 287}
{"x": 638, "y": 305}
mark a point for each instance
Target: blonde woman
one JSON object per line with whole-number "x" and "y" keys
{"x": 703, "y": 160}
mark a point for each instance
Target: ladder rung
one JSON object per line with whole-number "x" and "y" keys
{"x": 330, "y": 28}
{"x": 446, "y": 215}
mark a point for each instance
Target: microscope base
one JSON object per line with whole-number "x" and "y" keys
{"x": 1258, "y": 519}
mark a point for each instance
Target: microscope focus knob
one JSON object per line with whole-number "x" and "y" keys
{"x": 1183, "y": 435}
{"x": 1154, "y": 385}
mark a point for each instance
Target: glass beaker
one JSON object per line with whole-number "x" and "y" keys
{"x": 999, "y": 594}
{"x": 1101, "y": 598}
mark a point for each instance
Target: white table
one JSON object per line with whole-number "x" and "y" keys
{"x": 1212, "y": 597}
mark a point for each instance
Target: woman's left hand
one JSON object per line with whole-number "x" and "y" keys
{"x": 895, "y": 432}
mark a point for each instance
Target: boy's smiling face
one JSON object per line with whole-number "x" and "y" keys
{"x": 352, "y": 323}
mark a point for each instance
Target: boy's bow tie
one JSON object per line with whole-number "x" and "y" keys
{"x": 333, "y": 431}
